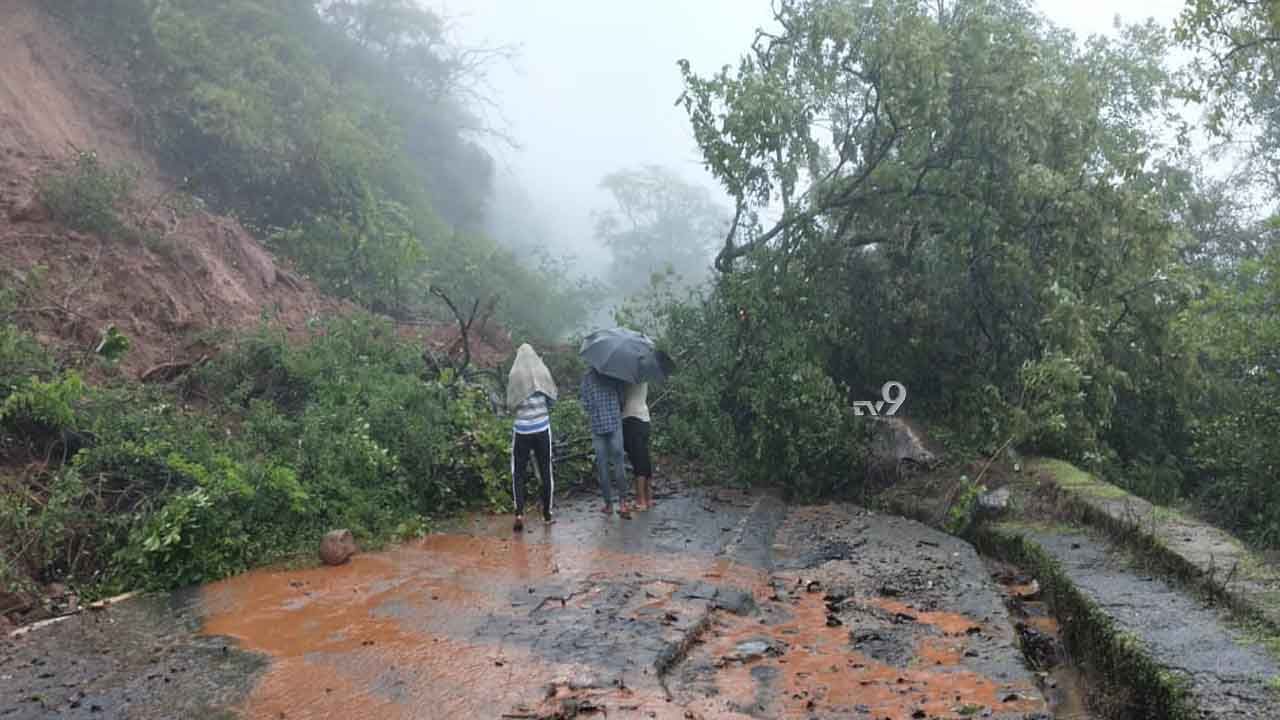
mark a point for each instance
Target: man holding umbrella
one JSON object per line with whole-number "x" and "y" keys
{"x": 602, "y": 399}
{"x": 617, "y": 357}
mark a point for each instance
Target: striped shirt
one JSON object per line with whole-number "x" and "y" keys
{"x": 533, "y": 415}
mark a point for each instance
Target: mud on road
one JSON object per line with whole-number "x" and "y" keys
{"x": 716, "y": 604}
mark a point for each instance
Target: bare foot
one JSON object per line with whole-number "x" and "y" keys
{"x": 519, "y": 523}
{"x": 607, "y": 509}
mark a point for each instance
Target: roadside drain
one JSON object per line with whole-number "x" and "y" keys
{"x": 1040, "y": 636}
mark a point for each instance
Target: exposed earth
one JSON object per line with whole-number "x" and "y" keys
{"x": 716, "y": 604}
{"x": 188, "y": 279}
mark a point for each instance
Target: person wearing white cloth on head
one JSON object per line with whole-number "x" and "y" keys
{"x": 531, "y": 393}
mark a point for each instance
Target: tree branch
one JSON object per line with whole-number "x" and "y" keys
{"x": 464, "y": 326}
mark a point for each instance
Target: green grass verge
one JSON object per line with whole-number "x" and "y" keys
{"x": 1257, "y": 611}
{"x": 1135, "y": 685}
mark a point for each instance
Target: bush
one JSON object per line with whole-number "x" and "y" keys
{"x": 964, "y": 506}
{"x": 748, "y": 398}
{"x": 364, "y": 428}
{"x": 88, "y": 197}
{"x": 47, "y": 531}
{"x": 803, "y": 434}
{"x": 349, "y": 430}
{"x": 42, "y": 407}
{"x": 21, "y": 358}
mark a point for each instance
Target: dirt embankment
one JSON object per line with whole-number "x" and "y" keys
{"x": 196, "y": 273}
{"x": 200, "y": 272}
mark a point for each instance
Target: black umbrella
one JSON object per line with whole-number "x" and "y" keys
{"x": 625, "y": 355}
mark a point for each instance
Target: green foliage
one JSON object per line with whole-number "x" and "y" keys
{"x": 343, "y": 131}
{"x": 89, "y": 195}
{"x": 368, "y": 431}
{"x": 371, "y": 255}
{"x": 1238, "y": 57}
{"x": 971, "y": 205}
{"x": 114, "y": 344}
{"x": 1235, "y": 416}
{"x": 748, "y": 398}
{"x": 964, "y": 505}
{"x": 350, "y": 430}
{"x": 43, "y": 408}
{"x": 21, "y": 358}
{"x": 1056, "y": 409}
{"x": 47, "y": 530}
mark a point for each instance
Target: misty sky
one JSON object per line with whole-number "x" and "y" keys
{"x": 594, "y": 87}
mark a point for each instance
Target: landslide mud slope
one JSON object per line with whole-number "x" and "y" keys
{"x": 199, "y": 272}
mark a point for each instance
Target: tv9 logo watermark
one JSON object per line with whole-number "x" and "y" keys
{"x": 894, "y": 394}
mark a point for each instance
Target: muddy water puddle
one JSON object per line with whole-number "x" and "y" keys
{"x": 470, "y": 625}
{"x": 579, "y": 619}
{"x": 814, "y": 655}
{"x": 1040, "y": 635}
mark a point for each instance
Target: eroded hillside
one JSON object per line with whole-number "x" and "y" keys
{"x": 180, "y": 272}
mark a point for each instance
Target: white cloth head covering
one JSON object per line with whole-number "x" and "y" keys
{"x": 528, "y": 376}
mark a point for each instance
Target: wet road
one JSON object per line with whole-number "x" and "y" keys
{"x": 716, "y": 604}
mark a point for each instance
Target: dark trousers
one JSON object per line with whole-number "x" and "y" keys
{"x": 635, "y": 440}
{"x": 540, "y": 445}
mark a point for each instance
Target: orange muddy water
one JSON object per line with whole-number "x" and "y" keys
{"x": 407, "y": 633}
{"x": 591, "y": 617}
{"x": 822, "y": 675}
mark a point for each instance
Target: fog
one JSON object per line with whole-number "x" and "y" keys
{"x": 593, "y": 90}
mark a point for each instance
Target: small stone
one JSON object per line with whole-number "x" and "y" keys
{"x": 1030, "y": 591}
{"x": 337, "y": 547}
{"x": 750, "y": 650}
{"x": 995, "y": 501}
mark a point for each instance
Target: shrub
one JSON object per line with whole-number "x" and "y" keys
{"x": 750, "y": 400}
{"x": 348, "y": 430}
{"x": 21, "y": 358}
{"x": 88, "y": 196}
{"x": 803, "y": 432}
{"x": 42, "y": 410}
{"x": 48, "y": 529}
{"x": 964, "y": 505}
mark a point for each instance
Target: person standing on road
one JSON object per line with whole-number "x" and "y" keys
{"x": 635, "y": 441}
{"x": 602, "y": 399}
{"x": 531, "y": 393}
